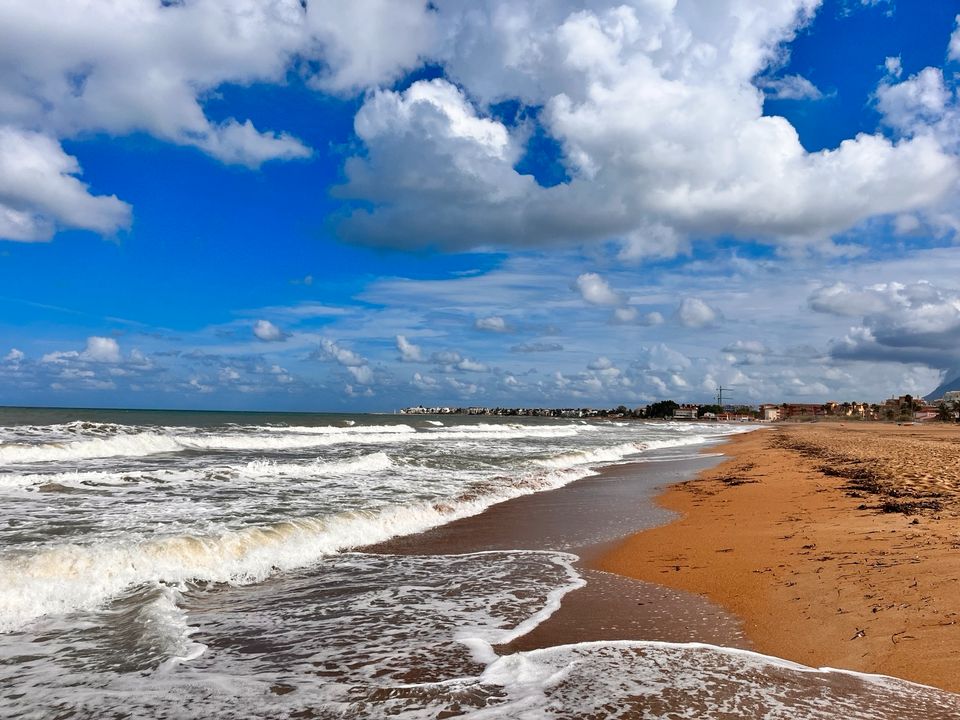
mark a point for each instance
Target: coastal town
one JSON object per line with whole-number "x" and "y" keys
{"x": 903, "y": 408}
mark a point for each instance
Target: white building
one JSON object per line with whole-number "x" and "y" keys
{"x": 770, "y": 412}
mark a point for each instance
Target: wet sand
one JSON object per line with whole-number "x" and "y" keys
{"x": 837, "y": 544}
{"x": 587, "y": 518}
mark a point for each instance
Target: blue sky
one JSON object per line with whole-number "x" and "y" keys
{"x": 258, "y": 205}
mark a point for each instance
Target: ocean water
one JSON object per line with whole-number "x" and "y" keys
{"x": 195, "y": 565}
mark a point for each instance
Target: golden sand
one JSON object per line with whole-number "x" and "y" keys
{"x": 838, "y": 545}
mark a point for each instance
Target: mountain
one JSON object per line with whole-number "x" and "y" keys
{"x": 943, "y": 388}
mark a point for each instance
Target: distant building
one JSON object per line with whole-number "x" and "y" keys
{"x": 769, "y": 413}
{"x": 686, "y": 412}
{"x": 792, "y": 410}
{"x": 951, "y": 396}
{"x": 735, "y": 417}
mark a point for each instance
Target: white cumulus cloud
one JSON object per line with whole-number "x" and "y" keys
{"x": 344, "y": 356}
{"x": 494, "y": 323}
{"x": 659, "y": 122}
{"x": 695, "y": 313}
{"x": 596, "y": 291}
{"x": 101, "y": 349}
{"x": 408, "y": 351}
{"x": 41, "y": 193}
{"x": 468, "y": 365}
{"x": 267, "y": 331}
{"x": 953, "y": 51}
{"x": 127, "y": 66}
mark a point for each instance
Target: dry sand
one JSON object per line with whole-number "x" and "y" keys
{"x": 837, "y": 544}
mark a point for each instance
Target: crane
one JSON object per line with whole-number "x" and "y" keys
{"x": 720, "y": 391}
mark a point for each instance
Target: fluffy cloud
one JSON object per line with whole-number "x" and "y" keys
{"x": 925, "y": 108}
{"x": 625, "y": 315}
{"x": 494, "y": 323}
{"x": 651, "y": 240}
{"x": 98, "y": 350}
{"x": 408, "y": 351}
{"x": 953, "y": 51}
{"x": 368, "y": 42}
{"x": 595, "y": 290}
{"x": 695, "y": 313}
{"x": 913, "y": 105}
{"x": 424, "y": 382}
{"x": 659, "y": 123}
{"x": 355, "y": 364}
{"x": 229, "y": 375}
{"x": 267, "y": 331}
{"x": 196, "y": 385}
{"x": 791, "y": 87}
{"x": 101, "y": 349}
{"x": 361, "y": 373}
{"x": 430, "y": 155}
{"x": 630, "y": 315}
{"x": 132, "y": 66}
{"x": 342, "y": 355}
{"x": 40, "y": 193}
{"x": 468, "y": 365}
{"x": 655, "y": 107}
{"x": 842, "y": 299}
{"x": 601, "y": 363}
{"x": 446, "y": 357}
{"x": 14, "y": 357}
{"x": 661, "y": 358}
{"x": 451, "y": 361}
{"x": 906, "y": 323}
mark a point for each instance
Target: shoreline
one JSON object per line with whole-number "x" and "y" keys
{"x": 588, "y": 517}
{"x": 823, "y": 568}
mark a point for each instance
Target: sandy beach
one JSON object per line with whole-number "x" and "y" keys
{"x": 837, "y": 544}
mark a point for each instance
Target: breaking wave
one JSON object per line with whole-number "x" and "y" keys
{"x": 152, "y": 443}
{"x": 62, "y": 578}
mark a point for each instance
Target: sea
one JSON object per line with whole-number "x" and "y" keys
{"x": 213, "y": 565}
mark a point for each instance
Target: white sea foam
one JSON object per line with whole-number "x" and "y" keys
{"x": 595, "y": 456}
{"x": 168, "y": 623}
{"x": 616, "y": 453}
{"x": 694, "y": 680}
{"x": 330, "y": 430}
{"x": 260, "y": 469}
{"x": 503, "y": 432}
{"x": 80, "y": 478}
{"x": 374, "y": 462}
{"x": 144, "y": 443}
{"x": 528, "y": 430}
{"x": 151, "y": 442}
{"x": 61, "y": 578}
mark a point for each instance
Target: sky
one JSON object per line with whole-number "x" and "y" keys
{"x": 324, "y": 206}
